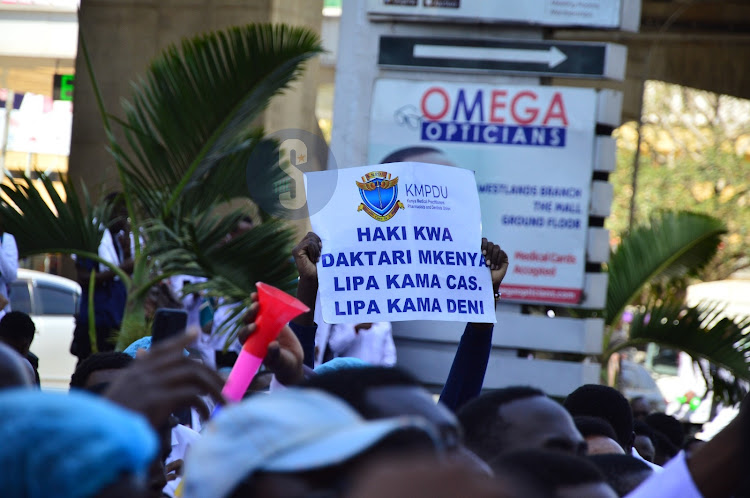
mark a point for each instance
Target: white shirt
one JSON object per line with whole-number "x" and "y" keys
{"x": 322, "y": 333}
{"x": 189, "y": 301}
{"x": 8, "y": 266}
{"x": 182, "y": 438}
{"x": 374, "y": 345}
{"x": 674, "y": 481}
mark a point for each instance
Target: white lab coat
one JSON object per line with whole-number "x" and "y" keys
{"x": 374, "y": 345}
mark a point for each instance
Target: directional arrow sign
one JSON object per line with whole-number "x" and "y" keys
{"x": 541, "y": 58}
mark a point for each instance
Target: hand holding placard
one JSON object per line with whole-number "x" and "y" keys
{"x": 496, "y": 260}
{"x": 306, "y": 255}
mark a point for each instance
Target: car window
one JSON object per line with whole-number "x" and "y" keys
{"x": 56, "y": 300}
{"x": 20, "y": 300}
{"x": 661, "y": 360}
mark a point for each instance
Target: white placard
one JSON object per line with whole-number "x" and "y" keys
{"x": 400, "y": 242}
{"x": 590, "y": 13}
{"x": 531, "y": 148}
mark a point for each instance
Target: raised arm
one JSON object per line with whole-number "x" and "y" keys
{"x": 306, "y": 254}
{"x": 466, "y": 376}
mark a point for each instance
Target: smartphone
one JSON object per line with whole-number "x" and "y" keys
{"x": 168, "y": 323}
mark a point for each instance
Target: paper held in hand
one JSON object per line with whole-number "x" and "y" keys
{"x": 401, "y": 241}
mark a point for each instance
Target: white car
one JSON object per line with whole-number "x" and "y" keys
{"x": 52, "y": 302}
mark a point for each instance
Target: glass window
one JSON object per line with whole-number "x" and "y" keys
{"x": 20, "y": 300}
{"x": 56, "y": 300}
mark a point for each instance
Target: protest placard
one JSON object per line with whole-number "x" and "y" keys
{"x": 400, "y": 242}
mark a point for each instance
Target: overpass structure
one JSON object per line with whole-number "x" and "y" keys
{"x": 38, "y": 38}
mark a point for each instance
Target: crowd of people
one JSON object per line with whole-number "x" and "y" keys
{"x": 151, "y": 421}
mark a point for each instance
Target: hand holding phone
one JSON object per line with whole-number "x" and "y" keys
{"x": 168, "y": 323}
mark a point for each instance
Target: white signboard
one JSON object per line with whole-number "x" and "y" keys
{"x": 68, "y": 5}
{"x": 590, "y": 13}
{"x": 531, "y": 148}
{"x": 40, "y": 126}
{"x": 400, "y": 242}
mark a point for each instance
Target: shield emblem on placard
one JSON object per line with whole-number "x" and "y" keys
{"x": 379, "y": 195}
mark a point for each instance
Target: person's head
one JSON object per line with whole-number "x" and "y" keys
{"x": 624, "y": 473}
{"x": 245, "y": 224}
{"x": 644, "y": 440}
{"x": 17, "y": 330}
{"x": 607, "y": 403}
{"x": 296, "y": 442}
{"x": 669, "y": 426}
{"x": 72, "y": 445}
{"x": 15, "y": 370}
{"x": 411, "y": 477}
{"x": 518, "y": 418}
{"x": 599, "y": 435}
{"x": 97, "y": 371}
{"x": 382, "y": 392}
{"x": 554, "y": 474}
{"x": 640, "y": 408}
{"x": 664, "y": 450}
{"x": 118, "y": 218}
{"x": 428, "y": 155}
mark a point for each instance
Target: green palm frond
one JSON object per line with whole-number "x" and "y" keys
{"x": 703, "y": 332}
{"x": 70, "y": 226}
{"x": 252, "y": 171}
{"x": 192, "y": 112}
{"x": 261, "y": 254}
{"x": 232, "y": 267}
{"x": 673, "y": 245}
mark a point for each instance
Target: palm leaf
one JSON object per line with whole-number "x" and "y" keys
{"x": 673, "y": 245}
{"x": 67, "y": 226}
{"x": 232, "y": 268}
{"x": 260, "y": 254}
{"x": 703, "y": 332}
{"x": 192, "y": 112}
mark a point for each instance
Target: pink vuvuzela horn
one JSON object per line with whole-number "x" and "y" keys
{"x": 276, "y": 308}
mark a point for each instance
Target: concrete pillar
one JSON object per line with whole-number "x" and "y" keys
{"x": 122, "y": 38}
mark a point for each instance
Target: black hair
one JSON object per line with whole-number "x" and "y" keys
{"x": 664, "y": 450}
{"x": 547, "y": 470}
{"x": 402, "y": 154}
{"x": 604, "y": 402}
{"x": 480, "y": 418}
{"x": 594, "y": 426}
{"x": 351, "y": 384}
{"x": 111, "y": 360}
{"x": 16, "y": 325}
{"x": 641, "y": 428}
{"x": 113, "y": 197}
{"x": 623, "y": 472}
{"x": 669, "y": 426}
